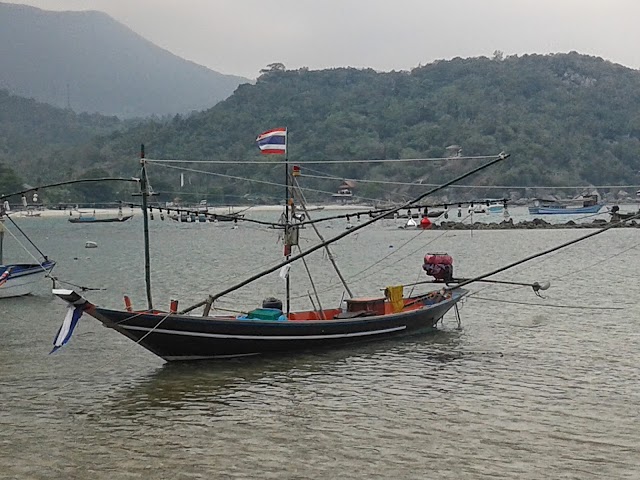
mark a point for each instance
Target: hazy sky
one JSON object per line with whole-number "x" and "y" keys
{"x": 242, "y": 36}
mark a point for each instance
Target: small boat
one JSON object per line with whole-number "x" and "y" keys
{"x": 18, "y": 279}
{"x": 99, "y": 219}
{"x": 495, "y": 208}
{"x": 589, "y": 204}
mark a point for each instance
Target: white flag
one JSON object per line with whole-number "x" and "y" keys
{"x": 284, "y": 271}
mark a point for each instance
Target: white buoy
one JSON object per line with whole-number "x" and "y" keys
{"x": 91, "y": 244}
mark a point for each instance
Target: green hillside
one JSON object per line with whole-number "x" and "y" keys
{"x": 566, "y": 119}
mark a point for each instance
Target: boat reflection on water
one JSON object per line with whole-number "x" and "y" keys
{"x": 266, "y": 379}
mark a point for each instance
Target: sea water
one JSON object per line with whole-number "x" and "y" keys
{"x": 528, "y": 388}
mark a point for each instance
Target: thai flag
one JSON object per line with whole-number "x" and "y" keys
{"x": 273, "y": 141}
{"x": 68, "y": 325}
{"x": 5, "y": 276}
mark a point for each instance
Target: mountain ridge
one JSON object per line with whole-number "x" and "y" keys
{"x": 88, "y": 61}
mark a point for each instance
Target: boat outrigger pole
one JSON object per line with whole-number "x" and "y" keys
{"x": 481, "y": 278}
{"x": 209, "y": 301}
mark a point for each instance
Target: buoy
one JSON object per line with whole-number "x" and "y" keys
{"x": 91, "y": 245}
{"x": 425, "y": 223}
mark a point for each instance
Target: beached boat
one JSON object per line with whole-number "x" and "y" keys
{"x": 272, "y": 326}
{"x": 18, "y": 279}
{"x": 588, "y": 204}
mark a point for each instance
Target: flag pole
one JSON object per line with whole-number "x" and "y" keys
{"x": 287, "y": 247}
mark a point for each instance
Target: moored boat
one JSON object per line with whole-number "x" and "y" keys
{"x": 589, "y": 204}
{"x": 273, "y": 327}
{"x": 99, "y": 219}
{"x": 173, "y": 336}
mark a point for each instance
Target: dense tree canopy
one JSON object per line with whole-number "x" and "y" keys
{"x": 566, "y": 119}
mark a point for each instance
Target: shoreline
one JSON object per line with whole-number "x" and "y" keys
{"x": 104, "y": 212}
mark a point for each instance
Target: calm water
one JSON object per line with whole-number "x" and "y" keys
{"x": 524, "y": 390}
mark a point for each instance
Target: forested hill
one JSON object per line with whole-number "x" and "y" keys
{"x": 37, "y": 139}
{"x": 566, "y": 119}
{"x": 91, "y": 63}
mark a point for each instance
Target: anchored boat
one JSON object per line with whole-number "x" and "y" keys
{"x": 272, "y": 326}
{"x": 589, "y": 204}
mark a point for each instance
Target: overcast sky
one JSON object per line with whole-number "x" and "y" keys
{"x": 242, "y": 36}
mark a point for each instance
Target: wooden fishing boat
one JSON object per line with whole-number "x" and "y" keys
{"x": 271, "y": 327}
{"x": 99, "y": 219}
{"x": 589, "y": 204}
{"x": 174, "y": 336}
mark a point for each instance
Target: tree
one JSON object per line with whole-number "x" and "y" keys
{"x": 9, "y": 181}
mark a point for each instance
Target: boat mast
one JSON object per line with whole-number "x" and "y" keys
{"x": 287, "y": 221}
{"x": 144, "y": 190}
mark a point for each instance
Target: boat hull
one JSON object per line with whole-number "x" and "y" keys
{"x": 565, "y": 210}
{"x": 184, "y": 337}
{"x": 100, "y": 220}
{"x": 22, "y": 277}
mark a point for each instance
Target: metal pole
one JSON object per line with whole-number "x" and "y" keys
{"x": 144, "y": 190}
{"x": 287, "y": 218}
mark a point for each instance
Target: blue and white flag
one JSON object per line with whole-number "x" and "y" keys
{"x": 273, "y": 141}
{"x": 68, "y": 325}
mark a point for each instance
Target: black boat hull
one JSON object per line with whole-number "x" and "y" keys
{"x": 184, "y": 337}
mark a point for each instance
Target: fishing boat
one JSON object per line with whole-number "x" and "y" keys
{"x": 588, "y": 204}
{"x": 272, "y": 326}
{"x": 84, "y": 218}
{"x": 18, "y": 279}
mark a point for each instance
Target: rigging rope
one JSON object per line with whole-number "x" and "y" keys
{"x": 321, "y": 162}
{"x": 550, "y": 305}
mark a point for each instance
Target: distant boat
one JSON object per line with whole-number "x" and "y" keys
{"x": 495, "y": 208}
{"x": 97, "y": 219}
{"x": 589, "y": 204}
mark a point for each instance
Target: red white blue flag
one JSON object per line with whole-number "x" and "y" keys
{"x": 74, "y": 313}
{"x": 273, "y": 141}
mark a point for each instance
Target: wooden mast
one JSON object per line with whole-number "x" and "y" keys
{"x": 144, "y": 190}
